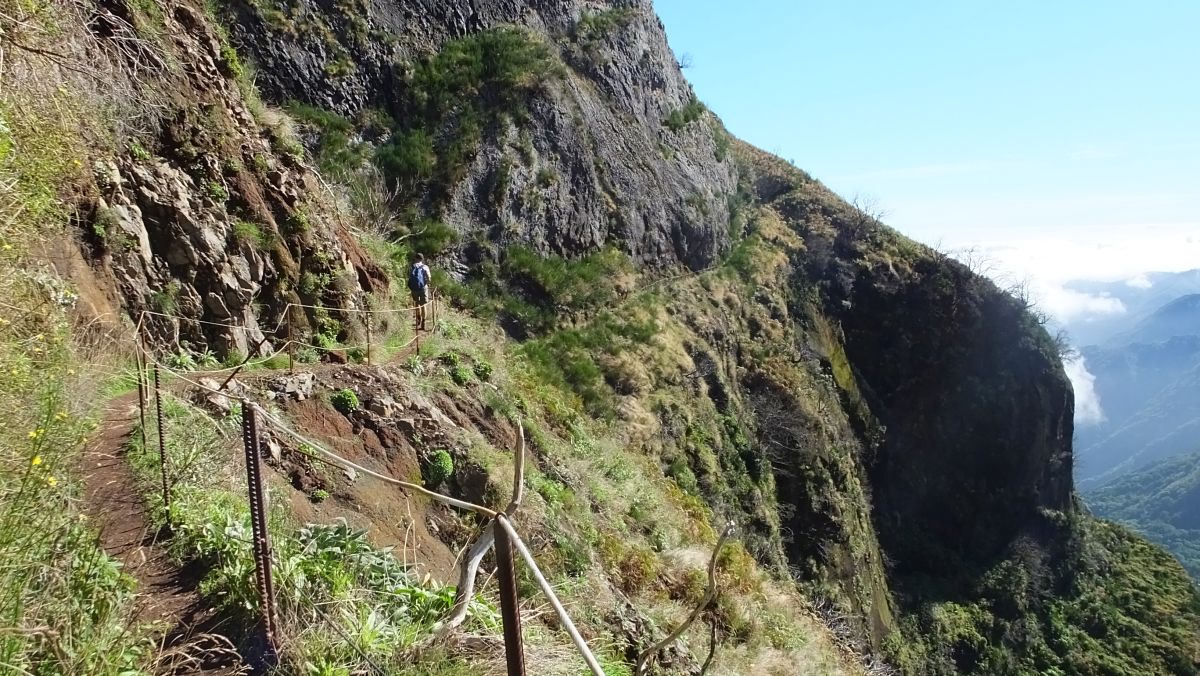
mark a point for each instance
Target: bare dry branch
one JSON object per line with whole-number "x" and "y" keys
{"x": 644, "y": 658}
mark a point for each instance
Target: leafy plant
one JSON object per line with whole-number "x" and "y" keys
{"x": 319, "y": 495}
{"x": 250, "y": 233}
{"x": 461, "y": 374}
{"x": 483, "y": 370}
{"x": 453, "y": 97}
{"x": 678, "y": 119}
{"x": 439, "y": 467}
{"x": 345, "y": 400}
{"x": 216, "y": 190}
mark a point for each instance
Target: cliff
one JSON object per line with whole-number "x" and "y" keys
{"x": 891, "y": 431}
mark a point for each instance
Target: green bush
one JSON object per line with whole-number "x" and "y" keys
{"x": 678, "y": 119}
{"x": 345, "y": 400}
{"x": 483, "y": 370}
{"x": 453, "y": 97}
{"x": 598, "y": 25}
{"x": 319, "y": 495}
{"x": 250, "y": 233}
{"x": 337, "y": 152}
{"x": 439, "y": 467}
{"x": 216, "y": 190}
{"x": 461, "y": 374}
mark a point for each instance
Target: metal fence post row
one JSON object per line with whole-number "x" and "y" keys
{"x": 258, "y": 526}
{"x": 162, "y": 444}
{"x": 510, "y": 612}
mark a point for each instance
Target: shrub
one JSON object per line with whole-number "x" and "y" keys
{"x": 307, "y": 355}
{"x": 461, "y": 375}
{"x": 138, "y": 151}
{"x": 319, "y": 495}
{"x": 345, "y": 400}
{"x": 439, "y": 467}
{"x": 415, "y": 365}
{"x": 599, "y": 25}
{"x": 678, "y": 119}
{"x": 216, "y": 190}
{"x": 337, "y": 152}
{"x": 453, "y": 97}
{"x": 483, "y": 370}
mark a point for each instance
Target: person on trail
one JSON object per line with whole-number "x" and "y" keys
{"x": 418, "y": 286}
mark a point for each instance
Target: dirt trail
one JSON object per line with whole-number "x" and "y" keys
{"x": 166, "y": 594}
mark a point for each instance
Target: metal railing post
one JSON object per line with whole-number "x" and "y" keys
{"x": 258, "y": 526}
{"x": 162, "y": 444}
{"x": 510, "y": 612}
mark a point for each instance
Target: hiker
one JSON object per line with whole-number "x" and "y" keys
{"x": 418, "y": 285}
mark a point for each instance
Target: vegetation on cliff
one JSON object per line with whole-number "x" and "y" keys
{"x": 690, "y": 331}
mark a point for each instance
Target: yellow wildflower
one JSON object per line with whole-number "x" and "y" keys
{"x": 37, "y": 460}
{"x": 51, "y": 481}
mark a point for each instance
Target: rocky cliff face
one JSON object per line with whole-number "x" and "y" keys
{"x": 590, "y": 161}
{"x": 210, "y": 225}
{"x": 887, "y": 426}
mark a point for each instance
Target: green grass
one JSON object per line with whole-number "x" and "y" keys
{"x": 251, "y": 233}
{"x": 65, "y": 607}
{"x": 336, "y": 152}
{"x": 595, "y": 26}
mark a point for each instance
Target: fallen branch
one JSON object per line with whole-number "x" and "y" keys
{"x": 644, "y": 658}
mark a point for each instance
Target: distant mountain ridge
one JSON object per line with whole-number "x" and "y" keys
{"x": 1140, "y": 298}
{"x": 1180, "y": 317}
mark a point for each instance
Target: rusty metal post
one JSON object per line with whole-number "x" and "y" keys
{"x": 510, "y": 612}
{"x": 368, "y": 339}
{"x": 258, "y": 526}
{"x": 162, "y": 444}
{"x": 141, "y": 382}
{"x": 291, "y": 357}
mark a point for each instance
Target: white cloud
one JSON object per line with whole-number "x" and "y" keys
{"x": 1139, "y": 282}
{"x": 1046, "y": 265}
{"x": 1087, "y": 402}
{"x": 1067, "y": 305}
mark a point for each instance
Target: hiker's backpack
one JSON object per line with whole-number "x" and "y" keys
{"x": 417, "y": 278}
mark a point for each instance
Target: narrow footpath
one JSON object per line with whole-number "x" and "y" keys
{"x": 166, "y": 594}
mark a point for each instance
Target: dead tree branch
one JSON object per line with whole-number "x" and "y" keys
{"x": 644, "y": 658}
{"x": 470, "y": 564}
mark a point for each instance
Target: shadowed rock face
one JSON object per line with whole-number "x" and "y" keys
{"x": 977, "y": 409}
{"x": 591, "y": 164}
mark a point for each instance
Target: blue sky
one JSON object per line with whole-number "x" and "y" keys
{"x": 1060, "y": 136}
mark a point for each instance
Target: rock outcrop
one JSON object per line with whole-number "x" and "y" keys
{"x": 592, "y": 161}
{"x": 211, "y": 233}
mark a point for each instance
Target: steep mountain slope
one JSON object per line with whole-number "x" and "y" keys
{"x": 694, "y": 331}
{"x": 1161, "y": 501}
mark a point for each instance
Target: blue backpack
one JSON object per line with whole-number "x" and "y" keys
{"x": 417, "y": 278}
